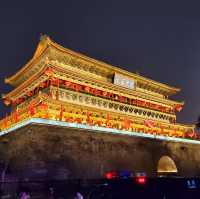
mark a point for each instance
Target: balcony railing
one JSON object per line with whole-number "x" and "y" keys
{"x": 98, "y": 117}
{"x": 108, "y": 105}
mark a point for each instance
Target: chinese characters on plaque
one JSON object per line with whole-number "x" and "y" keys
{"x": 124, "y": 81}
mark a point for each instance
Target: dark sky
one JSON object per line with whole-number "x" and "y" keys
{"x": 160, "y": 41}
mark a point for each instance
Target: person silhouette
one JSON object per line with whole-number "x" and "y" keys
{"x": 24, "y": 195}
{"x": 78, "y": 196}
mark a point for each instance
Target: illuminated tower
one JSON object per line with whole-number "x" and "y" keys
{"x": 59, "y": 84}
{"x": 87, "y": 117}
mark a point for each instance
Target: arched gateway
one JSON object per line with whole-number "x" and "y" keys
{"x": 166, "y": 165}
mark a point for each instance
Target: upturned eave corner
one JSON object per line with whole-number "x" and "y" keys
{"x": 6, "y": 80}
{"x": 44, "y": 42}
{"x": 2, "y": 96}
{"x": 41, "y": 47}
{"x": 183, "y": 103}
{"x": 175, "y": 90}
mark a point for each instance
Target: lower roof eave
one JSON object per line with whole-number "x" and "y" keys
{"x": 40, "y": 121}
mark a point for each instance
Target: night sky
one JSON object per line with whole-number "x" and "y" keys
{"x": 161, "y": 42}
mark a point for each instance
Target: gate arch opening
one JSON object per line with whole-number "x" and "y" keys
{"x": 166, "y": 165}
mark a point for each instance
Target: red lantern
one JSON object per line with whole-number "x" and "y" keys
{"x": 116, "y": 97}
{"x": 43, "y": 106}
{"x": 16, "y": 116}
{"x": 107, "y": 119}
{"x": 121, "y": 99}
{"x": 30, "y": 93}
{"x": 67, "y": 84}
{"x": 161, "y": 129}
{"x": 104, "y": 93}
{"x": 14, "y": 103}
{"x": 43, "y": 85}
{"x": 133, "y": 101}
{"x": 61, "y": 113}
{"x": 31, "y": 110}
{"x": 98, "y": 92}
{"x": 178, "y": 107}
{"x": 88, "y": 118}
{"x": 191, "y": 134}
{"x": 57, "y": 83}
{"x": 147, "y": 104}
{"x": 149, "y": 123}
{"x": 6, "y": 101}
{"x": 78, "y": 120}
{"x": 108, "y": 94}
{"x": 49, "y": 72}
{"x": 99, "y": 122}
{"x": 5, "y": 122}
{"x": 77, "y": 87}
{"x": 95, "y": 91}
{"x": 87, "y": 89}
{"x": 127, "y": 123}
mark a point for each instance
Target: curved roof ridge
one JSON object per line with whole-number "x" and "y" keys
{"x": 41, "y": 47}
{"x": 111, "y": 67}
{"x": 45, "y": 42}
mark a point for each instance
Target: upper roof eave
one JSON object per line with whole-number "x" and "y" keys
{"x": 46, "y": 42}
{"x": 41, "y": 47}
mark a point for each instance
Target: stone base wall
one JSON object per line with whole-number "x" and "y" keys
{"x": 48, "y": 152}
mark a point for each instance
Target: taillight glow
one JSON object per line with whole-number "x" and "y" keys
{"x": 141, "y": 180}
{"x": 111, "y": 175}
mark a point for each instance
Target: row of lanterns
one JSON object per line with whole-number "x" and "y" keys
{"x": 148, "y": 126}
{"x": 95, "y": 92}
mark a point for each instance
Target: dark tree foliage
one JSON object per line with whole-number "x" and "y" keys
{"x": 198, "y": 123}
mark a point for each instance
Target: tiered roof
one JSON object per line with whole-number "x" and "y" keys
{"x": 60, "y": 84}
{"x": 48, "y": 51}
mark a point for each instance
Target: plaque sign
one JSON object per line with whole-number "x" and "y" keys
{"x": 124, "y": 81}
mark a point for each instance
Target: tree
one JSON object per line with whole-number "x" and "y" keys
{"x": 4, "y": 162}
{"x": 197, "y": 124}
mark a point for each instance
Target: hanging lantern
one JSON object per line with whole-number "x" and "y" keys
{"x": 133, "y": 101}
{"x": 95, "y": 91}
{"x": 5, "y": 122}
{"x": 149, "y": 123}
{"x": 108, "y": 95}
{"x": 107, "y": 120}
{"x": 67, "y": 84}
{"x": 77, "y": 87}
{"x": 31, "y": 109}
{"x": 116, "y": 97}
{"x": 78, "y": 120}
{"x": 122, "y": 99}
{"x": 88, "y": 120}
{"x": 191, "y": 134}
{"x": 43, "y": 106}
{"x": 43, "y": 84}
{"x": 178, "y": 107}
{"x": 6, "y": 101}
{"x": 87, "y": 89}
{"x": 127, "y": 123}
{"x": 30, "y": 93}
{"x": 49, "y": 72}
{"x": 13, "y": 103}
{"x": 16, "y": 116}
{"x": 99, "y": 122}
{"x": 161, "y": 129}
{"x": 98, "y": 92}
{"x": 61, "y": 113}
{"x": 57, "y": 83}
{"x": 104, "y": 93}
